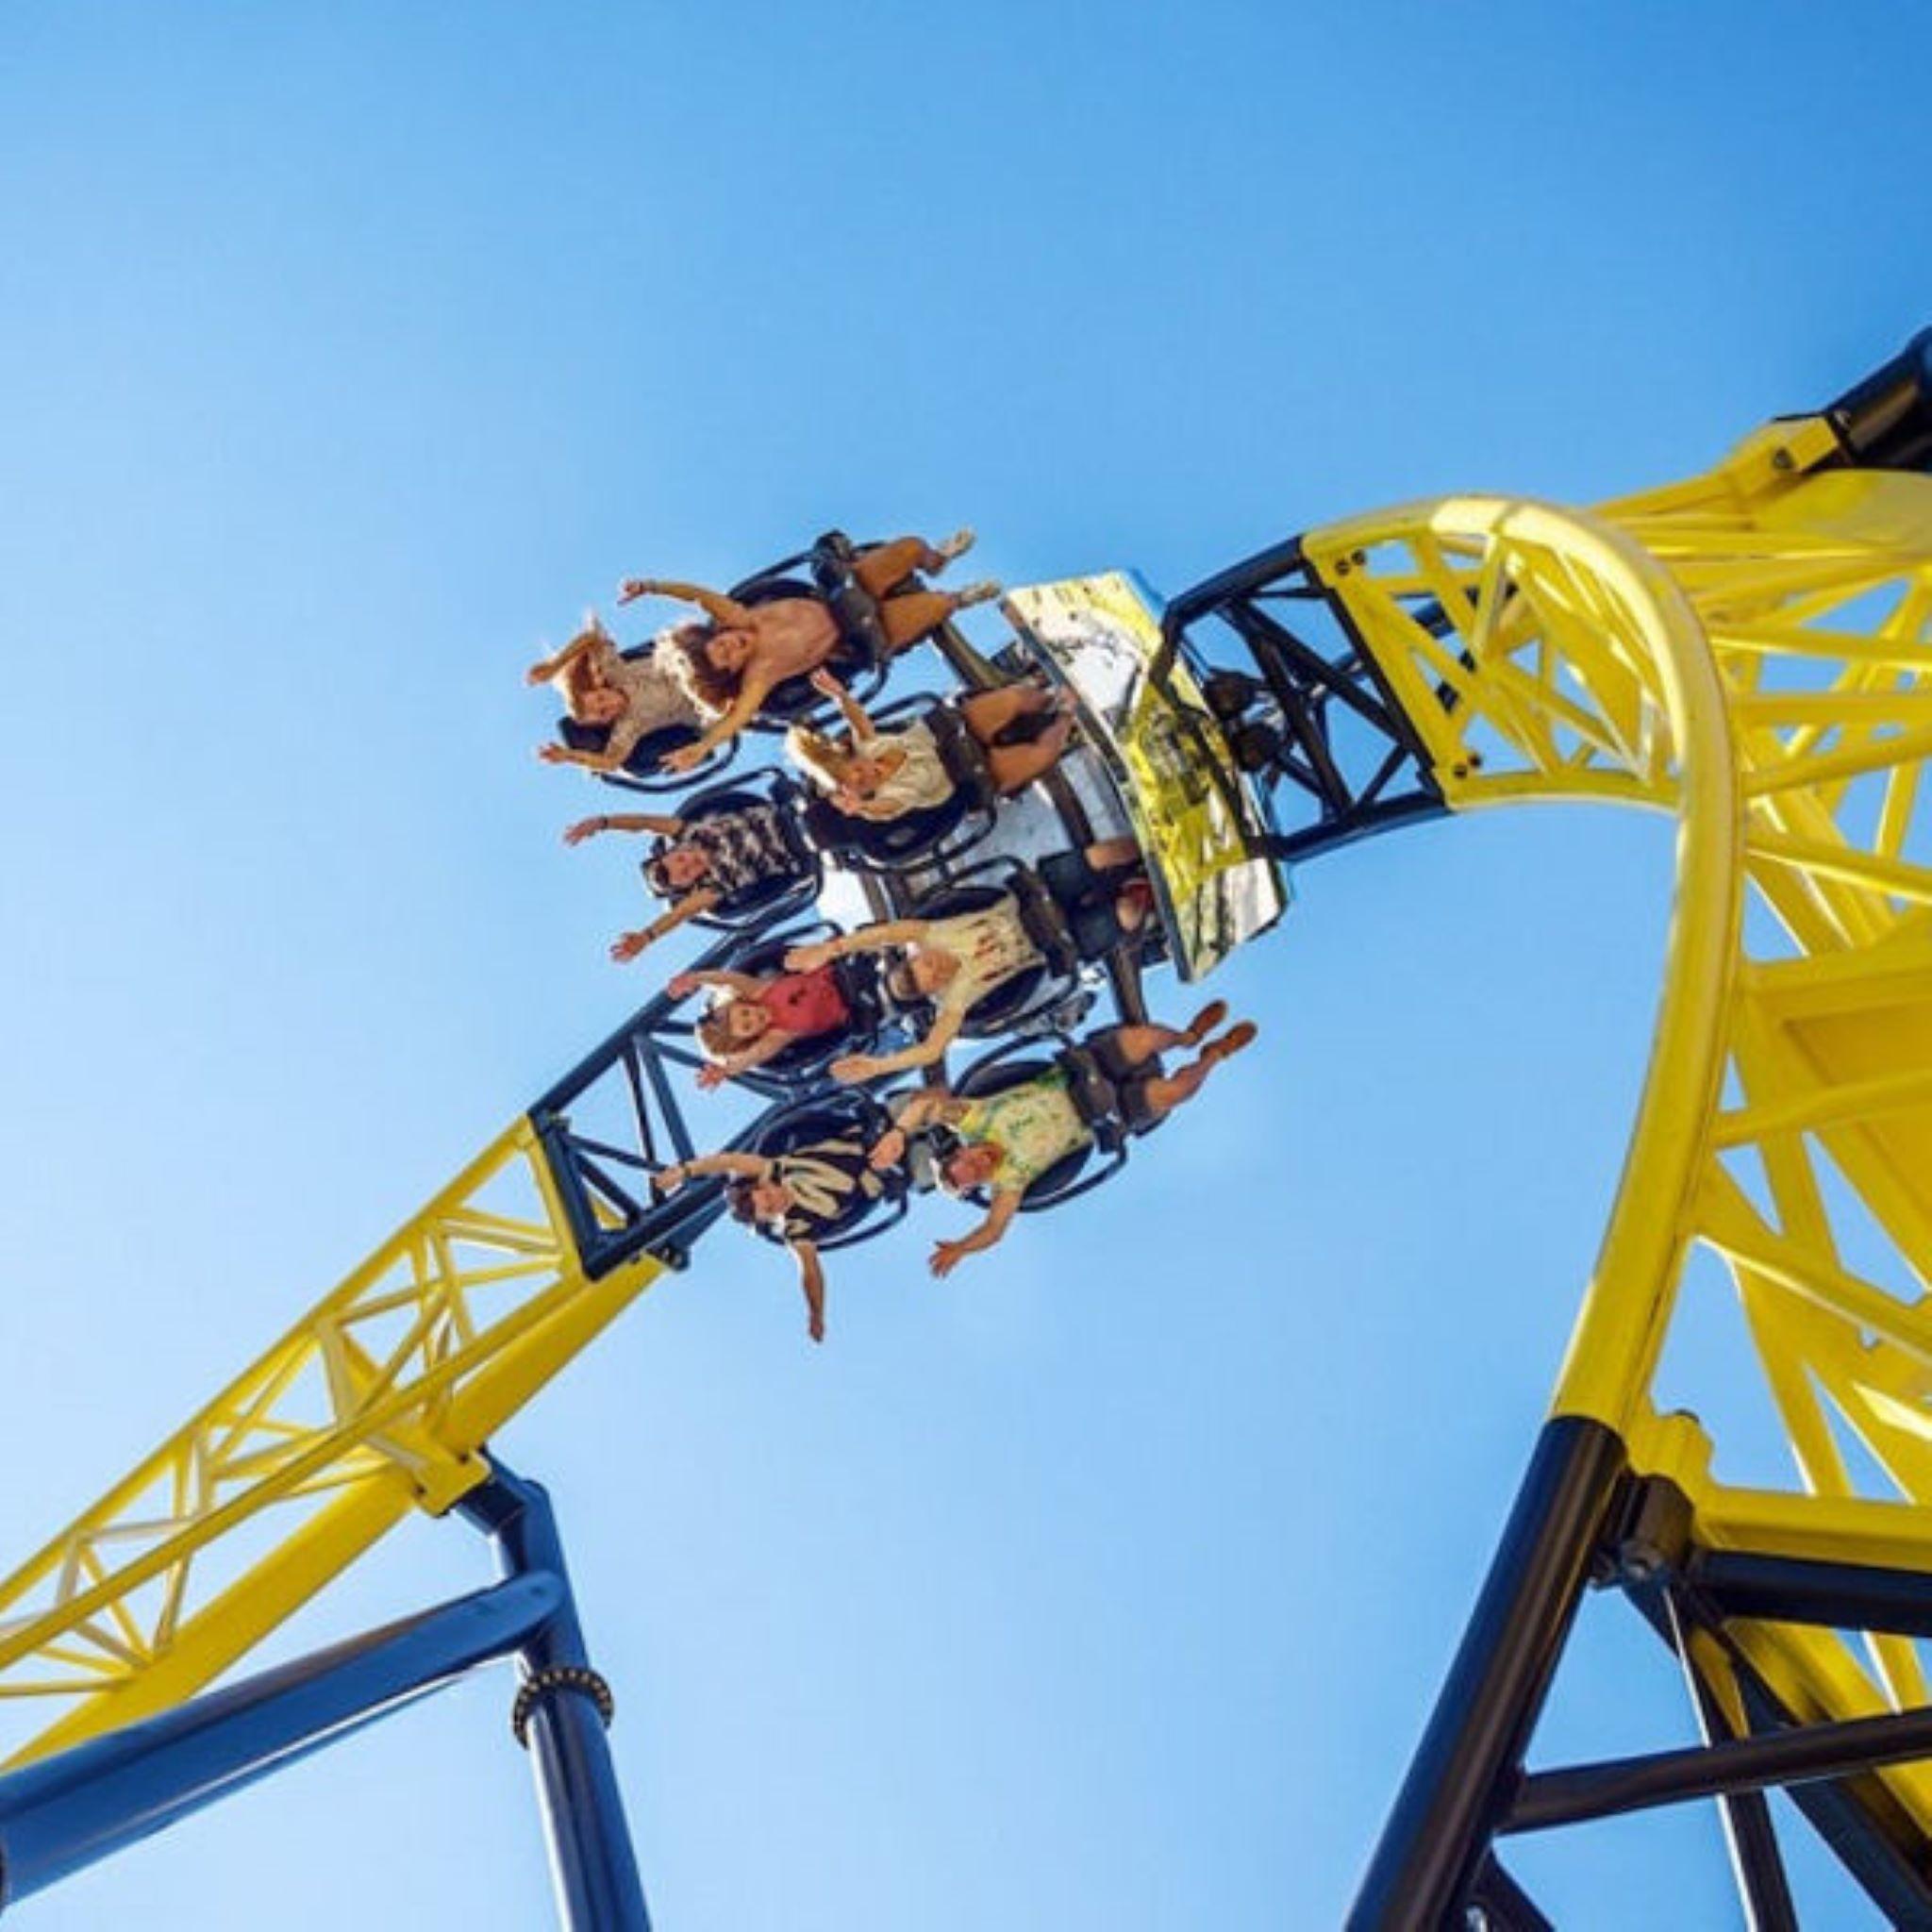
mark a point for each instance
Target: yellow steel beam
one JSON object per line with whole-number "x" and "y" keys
{"x": 1746, "y": 649}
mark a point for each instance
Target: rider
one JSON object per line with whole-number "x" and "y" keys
{"x": 881, "y": 775}
{"x": 799, "y": 1196}
{"x": 752, "y": 1018}
{"x": 708, "y": 862}
{"x": 632, "y": 698}
{"x": 1008, "y": 1140}
{"x": 732, "y": 664}
{"x": 954, "y": 962}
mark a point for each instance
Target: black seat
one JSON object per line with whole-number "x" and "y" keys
{"x": 1017, "y": 995}
{"x": 862, "y": 658}
{"x": 848, "y": 1113}
{"x": 770, "y": 896}
{"x": 857, "y": 977}
{"x": 642, "y": 770}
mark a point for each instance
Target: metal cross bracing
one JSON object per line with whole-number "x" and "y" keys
{"x": 1748, "y": 651}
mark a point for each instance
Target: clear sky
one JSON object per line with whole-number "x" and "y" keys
{"x": 349, "y": 351}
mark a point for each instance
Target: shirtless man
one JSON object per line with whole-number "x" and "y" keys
{"x": 749, "y": 650}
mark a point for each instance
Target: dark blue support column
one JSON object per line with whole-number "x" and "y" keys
{"x": 1465, "y": 1770}
{"x": 71, "y": 1810}
{"x": 598, "y": 1889}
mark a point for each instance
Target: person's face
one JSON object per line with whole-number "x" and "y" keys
{"x": 864, "y": 776}
{"x": 730, "y": 650}
{"x": 932, "y": 972}
{"x": 685, "y": 867}
{"x": 601, "y": 706}
{"x": 972, "y": 1167}
{"x": 770, "y": 1200}
{"x": 743, "y": 1021}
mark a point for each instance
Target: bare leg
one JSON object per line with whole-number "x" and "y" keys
{"x": 1111, "y": 851}
{"x": 987, "y": 714}
{"x": 1015, "y": 766}
{"x": 877, "y": 571}
{"x": 1166, "y": 1091}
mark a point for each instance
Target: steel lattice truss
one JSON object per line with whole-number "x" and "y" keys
{"x": 1749, "y": 651}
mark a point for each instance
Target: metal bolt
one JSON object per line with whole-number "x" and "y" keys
{"x": 1781, "y": 458}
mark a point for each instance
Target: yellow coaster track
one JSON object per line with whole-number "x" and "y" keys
{"x": 1747, "y": 650}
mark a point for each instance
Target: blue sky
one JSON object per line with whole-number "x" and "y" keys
{"x": 349, "y": 352}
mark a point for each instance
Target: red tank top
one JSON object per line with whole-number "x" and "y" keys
{"x": 806, "y": 1002}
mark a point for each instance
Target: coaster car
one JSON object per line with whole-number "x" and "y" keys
{"x": 844, "y": 1114}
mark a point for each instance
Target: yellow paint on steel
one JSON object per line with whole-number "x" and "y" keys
{"x": 378, "y": 1401}
{"x": 1749, "y": 650}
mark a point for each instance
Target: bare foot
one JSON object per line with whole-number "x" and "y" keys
{"x": 957, "y": 544}
{"x": 981, "y": 593}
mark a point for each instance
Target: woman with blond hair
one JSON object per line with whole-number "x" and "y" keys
{"x": 883, "y": 773}
{"x": 733, "y": 663}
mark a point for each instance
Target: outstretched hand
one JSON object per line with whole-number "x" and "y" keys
{"x": 680, "y": 985}
{"x": 627, "y": 945}
{"x": 815, "y": 1324}
{"x": 711, "y": 1075}
{"x": 633, "y": 588}
{"x": 888, "y": 1150}
{"x": 807, "y": 959}
{"x": 584, "y": 828}
{"x": 554, "y": 754}
{"x": 539, "y": 672}
{"x": 947, "y": 1256}
{"x": 687, "y": 758}
{"x": 827, "y": 685}
{"x": 854, "y": 1067}
{"x": 667, "y": 1181}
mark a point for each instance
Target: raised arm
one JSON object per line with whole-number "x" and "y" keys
{"x": 723, "y": 611}
{"x": 665, "y": 827}
{"x": 946, "y": 1255}
{"x": 682, "y": 985}
{"x": 854, "y": 713}
{"x": 554, "y": 754}
{"x": 750, "y": 1167}
{"x": 868, "y": 938}
{"x": 811, "y": 1278}
{"x": 921, "y": 1053}
{"x": 758, "y": 686}
{"x": 627, "y": 945}
{"x": 770, "y": 1042}
{"x": 544, "y": 669}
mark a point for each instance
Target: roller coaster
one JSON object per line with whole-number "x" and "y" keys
{"x": 1746, "y": 650}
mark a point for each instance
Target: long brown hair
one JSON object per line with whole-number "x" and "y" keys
{"x": 714, "y": 1033}
{"x": 711, "y": 689}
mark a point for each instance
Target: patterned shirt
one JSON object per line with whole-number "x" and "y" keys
{"x": 653, "y": 697}
{"x": 743, "y": 848}
{"x": 990, "y": 946}
{"x": 1034, "y": 1126}
{"x": 825, "y": 1180}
